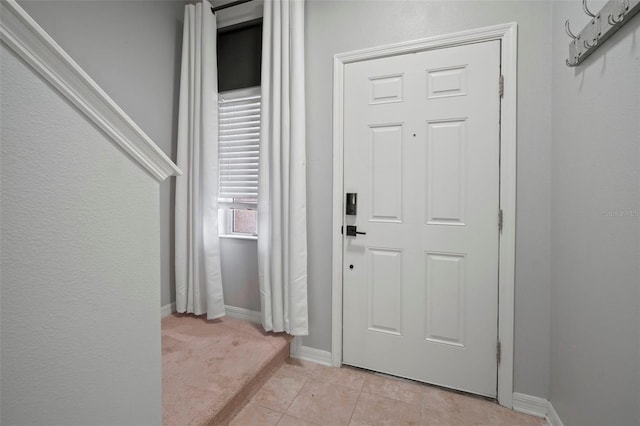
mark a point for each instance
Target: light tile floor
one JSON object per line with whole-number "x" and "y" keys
{"x": 303, "y": 393}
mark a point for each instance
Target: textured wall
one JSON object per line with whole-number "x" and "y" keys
{"x": 132, "y": 49}
{"x": 341, "y": 26}
{"x": 79, "y": 268}
{"x": 595, "y": 223}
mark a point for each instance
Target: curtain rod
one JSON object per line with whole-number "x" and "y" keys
{"x": 225, "y": 6}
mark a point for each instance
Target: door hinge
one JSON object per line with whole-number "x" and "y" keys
{"x": 500, "y": 220}
{"x": 342, "y": 230}
{"x": 498, "y": 351}
{"x": 501, "y": 86}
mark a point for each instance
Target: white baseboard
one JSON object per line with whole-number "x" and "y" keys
{"x": 536, "y": 406}
{"x": 297, "y": 350}
{"x": 552, "y": 417}
{"x": 309, "y": 354}
{"x": 232, "y": 311}
{"x": 243, "y": 314}
{"x": 528, "y": 404}
{"x": 167, "y": 310}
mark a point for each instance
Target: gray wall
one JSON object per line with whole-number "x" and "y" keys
{"x": 132, "y": 49}
{"x": 595, "y": 223}
{"x": 572, "y": 229}
{"x": 340, "y": 26}
{"x": 80, "y": 266}
{"x": 139, "y": 68}
{"x": 239, "y": 259}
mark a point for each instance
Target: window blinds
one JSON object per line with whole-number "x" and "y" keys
{"x": 239, "y": 145}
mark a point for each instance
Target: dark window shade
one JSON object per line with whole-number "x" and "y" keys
{"x": 239, "y": 57}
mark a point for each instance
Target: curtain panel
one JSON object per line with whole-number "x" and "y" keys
{"x": 197, "y": 246}
{"x": 282, "y": 216}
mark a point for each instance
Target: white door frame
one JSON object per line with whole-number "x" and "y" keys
{"x": 508, "y": 35}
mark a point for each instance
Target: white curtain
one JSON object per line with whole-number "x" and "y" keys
{"x": 197, "y": 247}
{"x": 282, "y": 226}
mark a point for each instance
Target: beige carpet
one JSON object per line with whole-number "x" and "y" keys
{"x": 210, "y": 369}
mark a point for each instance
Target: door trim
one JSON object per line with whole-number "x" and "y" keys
{"x": 508, "y": 35}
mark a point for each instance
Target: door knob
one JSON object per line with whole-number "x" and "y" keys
{"x": 352, "y": 231}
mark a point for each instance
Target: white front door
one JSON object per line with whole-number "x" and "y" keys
{"x": 421, "y": 150}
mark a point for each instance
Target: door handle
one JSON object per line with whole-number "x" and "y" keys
{"x": 352, "y": 231}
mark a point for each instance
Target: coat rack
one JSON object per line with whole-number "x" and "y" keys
{"x": 602, "y": 25}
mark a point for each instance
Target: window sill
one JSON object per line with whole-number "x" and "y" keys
{"x": 239, "y": 237}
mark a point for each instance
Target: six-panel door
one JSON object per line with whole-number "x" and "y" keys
{"x": 420, "y": 289}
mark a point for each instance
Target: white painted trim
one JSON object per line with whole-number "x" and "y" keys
{"x": 296, "y": 349}
{"x": 507, "y": 273}
{"x": 338, "y": 208}
{"x": 243, "y": 314}
{"x": 230, "y": 311}
{"x": 528, "y": 404}
{"x": 25, "y": 37}
{"x": 309, "y": 354}
{"x": 507, "y": 34}
{"x": 495, "y": 32}
{"x": 552, "y": 416}
{"x": 167, "y": 310}
{"x": 536, "y": 406}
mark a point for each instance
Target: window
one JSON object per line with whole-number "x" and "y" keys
{"x": 239, "y": 149}
{"x": 239, "y": 53}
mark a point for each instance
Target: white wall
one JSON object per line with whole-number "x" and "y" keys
{"x": 80, "y": 266}
{"x": 340, "y": 26}
{"x": 595, "y": 223}
{"x": 132, "y": 49}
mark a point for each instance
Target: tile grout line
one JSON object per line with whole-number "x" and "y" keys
{"x": 289, "y": 405}
{"x": 353, "y": 410}
{"x": 280, "y": 419}
{"x": 298, "y": 418}
{"x": 306, "y": 379}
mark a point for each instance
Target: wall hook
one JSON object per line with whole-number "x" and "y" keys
{"x": 614, "y": 21}
{"x": 568, "y": 30}
{"x": 613, "y": 15}
{"x": 586, "y": 9}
